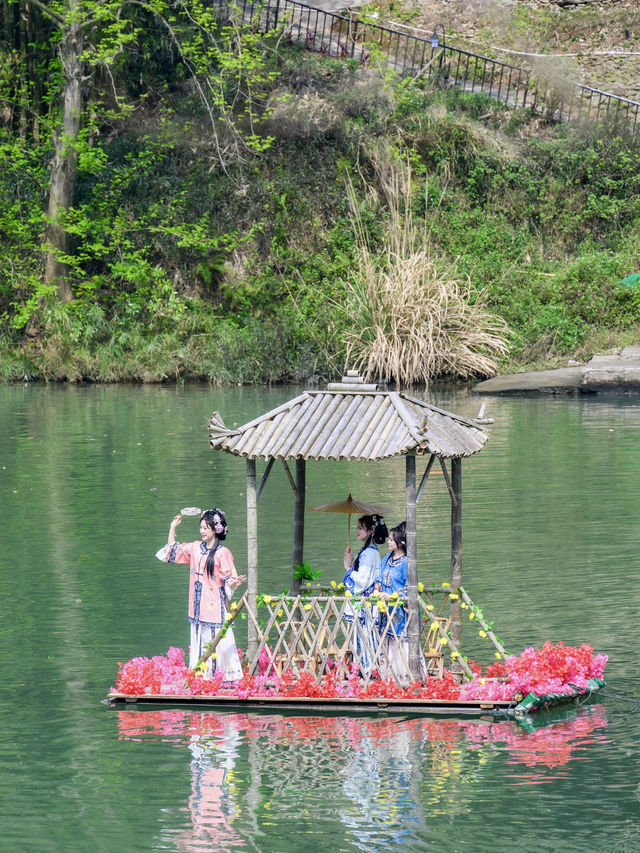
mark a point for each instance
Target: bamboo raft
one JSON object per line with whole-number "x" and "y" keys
{"x": 309, "y": 633}
{"x": 307, "y": 704}
{"x": 314, "y": 630}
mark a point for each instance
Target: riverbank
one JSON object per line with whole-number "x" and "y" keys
{"x": 223, "y": 362}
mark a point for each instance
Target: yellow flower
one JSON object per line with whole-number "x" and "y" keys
{"x": 347, "y": 594}
{"x": 393, "y": 595}
{"x": 453, "y": 596}
{"x": 445, "y": 583}
{"x": 266, "y": 599}
{"x": 429, "y": 606}
{"x": 482, "y": 633}
{"x": 334, "y": 584}
{"x": 498, "y": 655}
{"x": 420, "y": 586}
{"x": 214, "y": 655}
{"x": 307, "y": 607}
{"x": 472, "y": 615}
{"x": 464, "y": 606}
{"x": 340, "y": 586}
{"x": 382, "y": 607}
{"x": 455, "y": 655}
{"x": 444, "y": 641}
{"x": 483, "y": 680}
{"x": 279, "y": 614}
{"x": 234, "y": 606}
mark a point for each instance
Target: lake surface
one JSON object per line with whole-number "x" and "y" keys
{"x": 91, "y": 477}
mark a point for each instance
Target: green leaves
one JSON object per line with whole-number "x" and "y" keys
{"x": 304, "y": 572}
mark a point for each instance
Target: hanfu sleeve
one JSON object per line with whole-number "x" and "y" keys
{"x": 403, "y": 579}
{"x": 225, "y": 569}
{"x": 179, "y": 552}
{"x": 224, "y": 566}
{"x": 368, "y": 571}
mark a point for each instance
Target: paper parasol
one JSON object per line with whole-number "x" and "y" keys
{"x": 350, "y": 507}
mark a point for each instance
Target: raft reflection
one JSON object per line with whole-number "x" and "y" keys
{"x": 250, "y": 770}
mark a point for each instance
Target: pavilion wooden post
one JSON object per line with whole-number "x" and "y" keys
{"x": 298, "y": 523}
{"x": 412, "y": 569}
{"x": 252, "y": 561}
{"x": 456, "y": 548}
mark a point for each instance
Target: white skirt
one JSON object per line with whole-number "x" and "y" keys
{"x": 226, "y": 652}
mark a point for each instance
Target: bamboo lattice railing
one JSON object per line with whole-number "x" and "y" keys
{"x": 320, "y": 633}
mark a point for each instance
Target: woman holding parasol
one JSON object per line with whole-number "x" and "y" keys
{"x": 363, "y": 578}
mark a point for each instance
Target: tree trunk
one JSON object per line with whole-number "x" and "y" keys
{"x": 65, "y": 162}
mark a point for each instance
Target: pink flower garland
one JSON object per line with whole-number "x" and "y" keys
{"x": 552, "y": 669}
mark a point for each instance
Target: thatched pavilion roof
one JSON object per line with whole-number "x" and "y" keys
{"x": 345, "y": 422}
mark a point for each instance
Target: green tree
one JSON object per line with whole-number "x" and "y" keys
{"x": 86, "y": 77}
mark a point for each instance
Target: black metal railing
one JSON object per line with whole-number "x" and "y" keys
{"x": 345, "y": 37}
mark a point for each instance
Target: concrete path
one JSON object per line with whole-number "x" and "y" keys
{"x": 603, "y": 373}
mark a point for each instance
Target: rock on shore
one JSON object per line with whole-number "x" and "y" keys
{"x": 602, "y": 373}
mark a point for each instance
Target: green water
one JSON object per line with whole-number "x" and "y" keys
{"x": 90, "y": 480}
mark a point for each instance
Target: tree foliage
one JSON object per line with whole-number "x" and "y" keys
{"x": 76, "y": 72}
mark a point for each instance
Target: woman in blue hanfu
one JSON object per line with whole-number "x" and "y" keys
{"x": 393, "y": 623}
{"x": 363, "y": 578}
{"x": 394, "y": 654}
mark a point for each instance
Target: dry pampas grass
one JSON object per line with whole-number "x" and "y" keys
{"x": 412, "y": 319}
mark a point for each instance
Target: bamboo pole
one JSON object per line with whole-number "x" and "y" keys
{"x": 412, "y": 569}
{"x": 496, "y": 642}
{"x": 211, "y": 647}
{"x": 265, "y": 477}
{"x": 425, "y": 477}
{"x": 456, "y": 547}
{"x": 298, "y": 523}
{"x": 252, "y": 561}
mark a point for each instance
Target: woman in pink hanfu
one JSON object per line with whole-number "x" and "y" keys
{"x": 212, "y": 581}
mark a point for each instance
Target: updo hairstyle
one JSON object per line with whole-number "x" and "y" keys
{"x": 216, "y": 520}
{"x": 376, "y": 527}
{"x": 399, "y": 535}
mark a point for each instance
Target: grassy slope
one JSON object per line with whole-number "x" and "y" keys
{"x": 544, "y": 218}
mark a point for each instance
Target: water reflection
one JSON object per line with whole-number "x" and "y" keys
{"x": 380, "y": 778}
{"x": 213, "y": 741}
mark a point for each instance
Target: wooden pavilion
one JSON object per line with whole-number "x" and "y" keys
{"x": 354, "y": 421}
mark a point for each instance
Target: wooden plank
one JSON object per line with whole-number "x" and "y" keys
{"x": 306, "y": 702}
